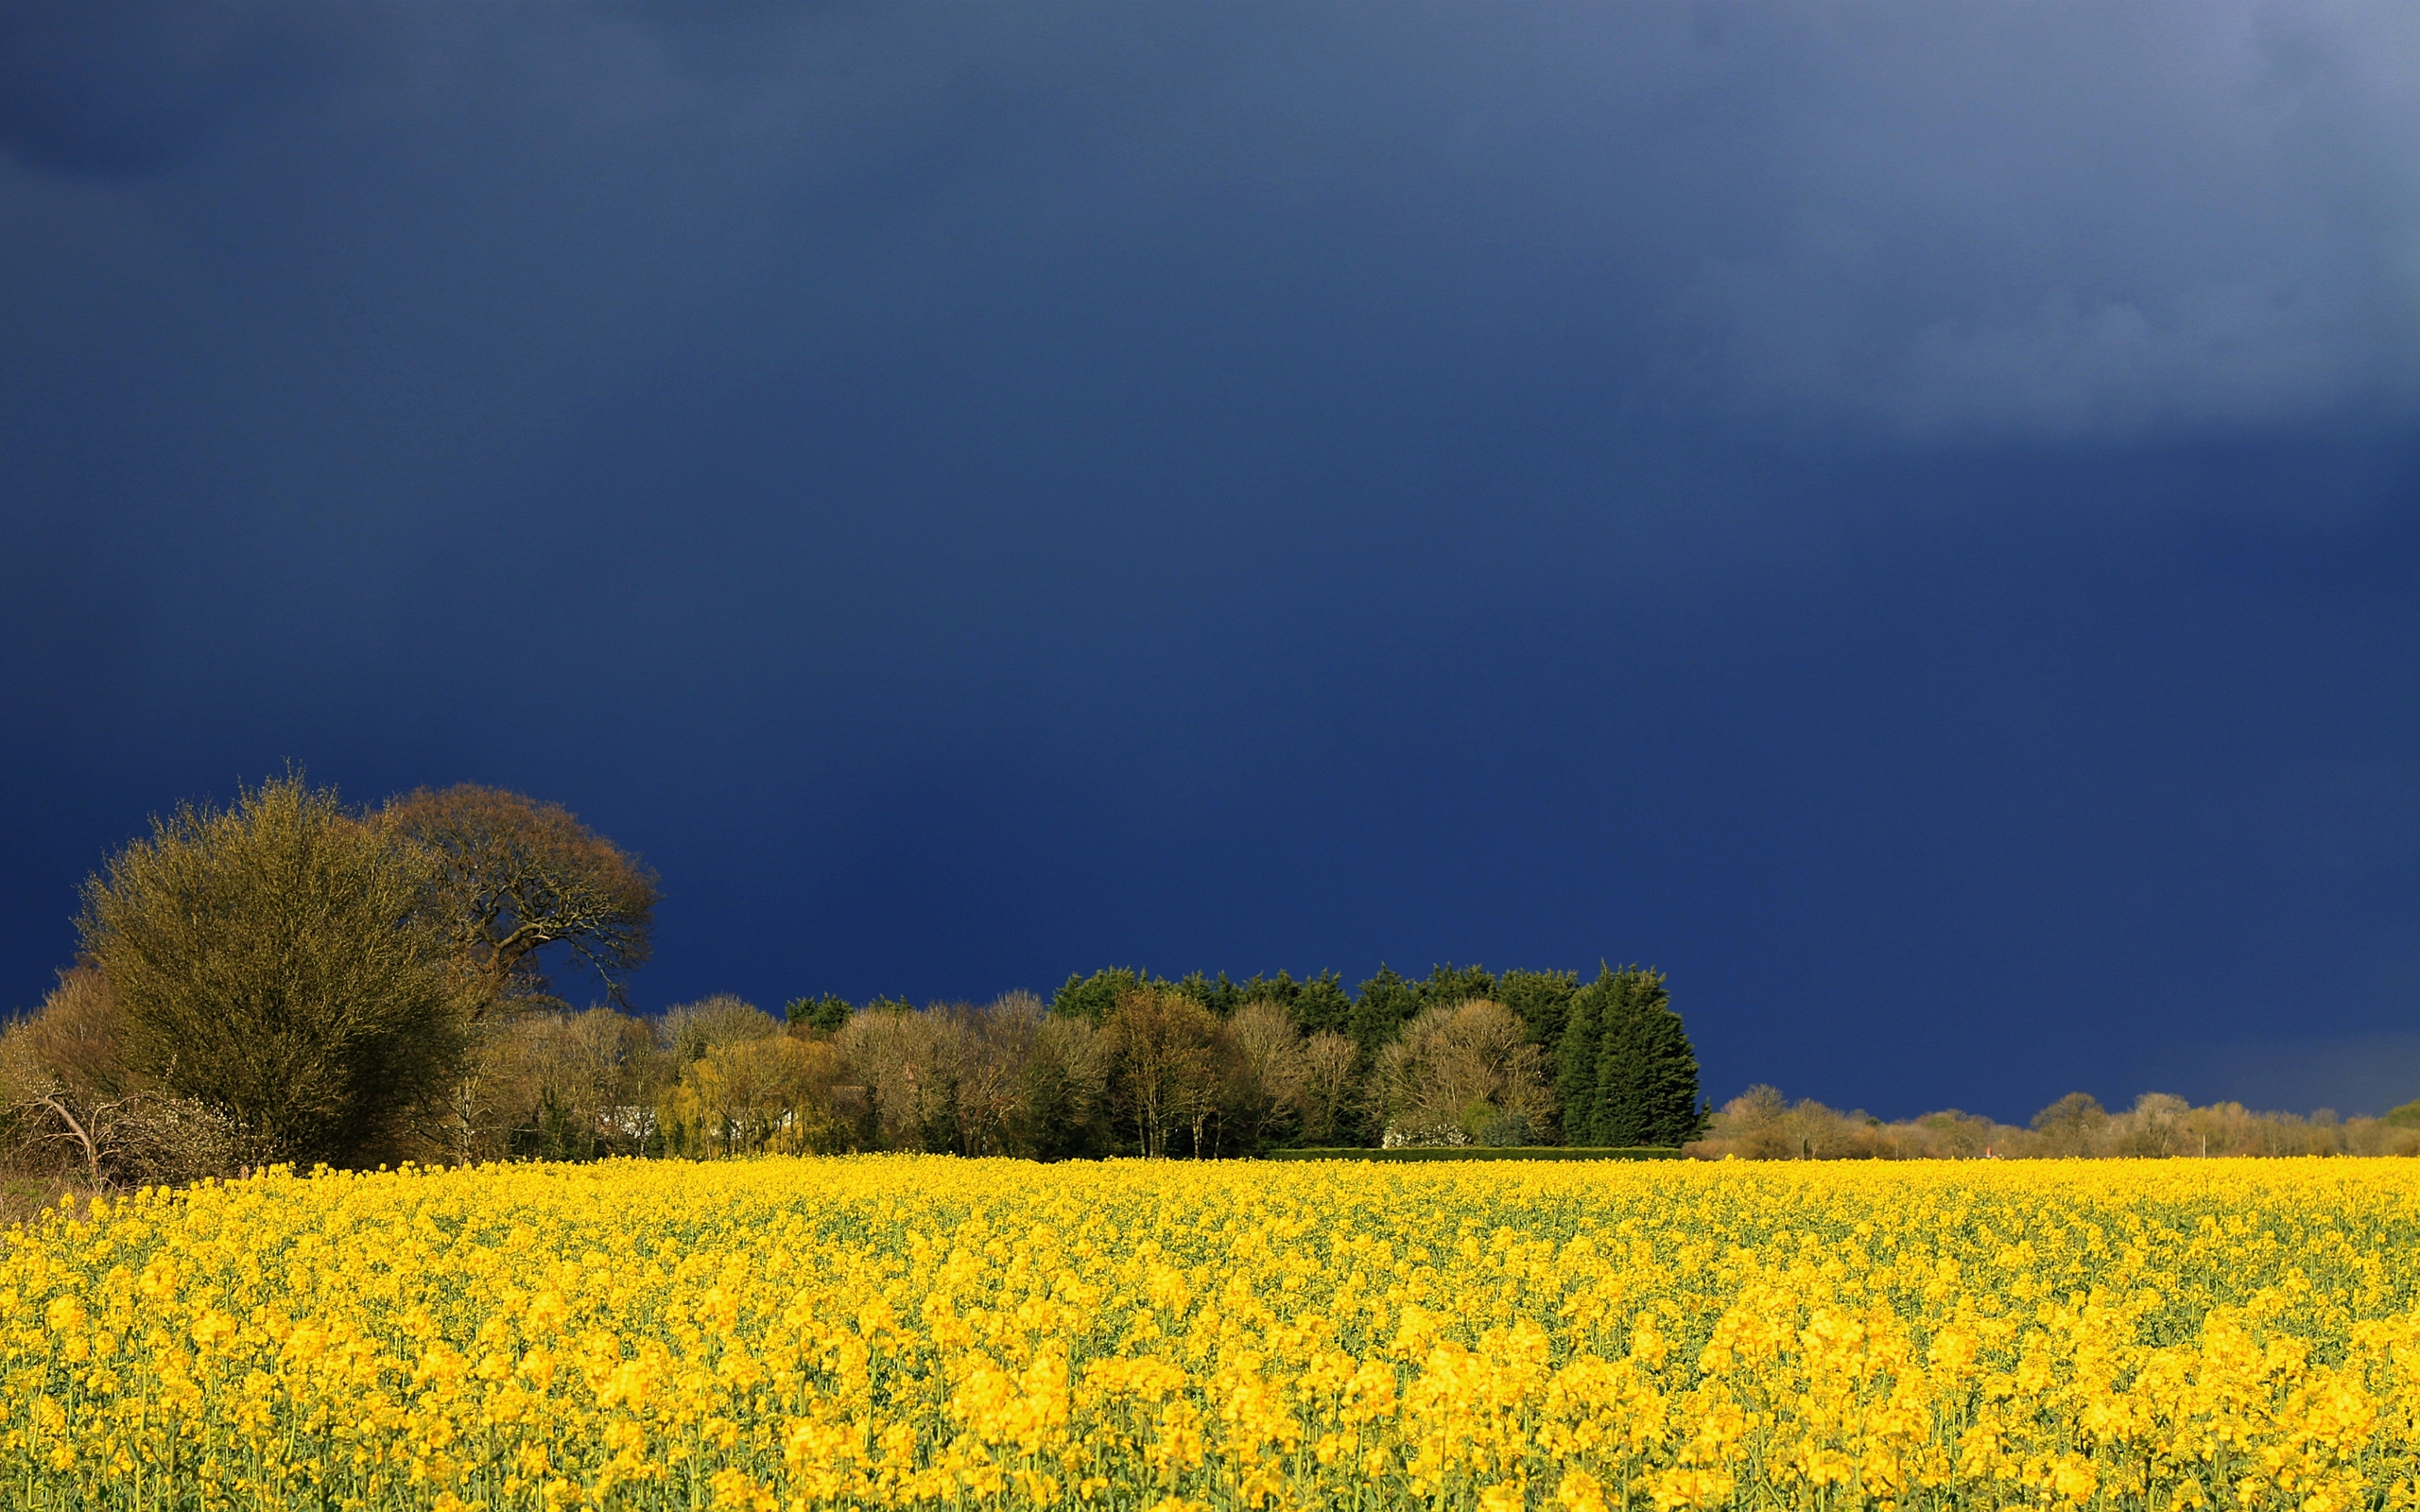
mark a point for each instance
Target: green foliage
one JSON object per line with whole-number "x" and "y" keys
{"x": 1318, "y": 1003}
{"x": 278, "y": 964}
{"x": 1543, "y": 999}
{"x": 1624, "y": 1067}
{"x": 824, "y": 1015}
{"x": 1094, "y": 998}
{"x": 1446, "y": 986}
{"x": 1385, "y": 1004}
{"x": 2408, "y": 1116}
{"x": 1646, "y": 1072}
{"x": 1575, "y": 1062}
{"x": 1221, "y": 997}
{"x": 1315, "y": 1004}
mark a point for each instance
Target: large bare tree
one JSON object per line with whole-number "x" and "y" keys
{"x": 1169, "y": 1054}
{"x": 514, "y": 877}
{"x": 909, "y": 1062}
{"x": 1274, "y": 1081}
{"x": 1331, "y": 1089}
{"x": 1464, "y": 1072}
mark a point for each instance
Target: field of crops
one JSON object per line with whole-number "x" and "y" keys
{"x": 927, "y": 1332}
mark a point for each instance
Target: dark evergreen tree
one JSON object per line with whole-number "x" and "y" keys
{"x": 1092, "y": 997}
{"x": 1318, "y": 1004}
{"x": 1576, "y": 1055}
{"x": 824, "y": 1015}
{"x": 1543, "y": 999}
{"x": 1385, "y": 1004}
{"x": 1448, "y": 985}
{"x": 1646, "y": 1072}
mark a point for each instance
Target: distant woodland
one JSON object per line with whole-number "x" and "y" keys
{"x": 293, "y": 980}
{"x": 1762, "y": 1124}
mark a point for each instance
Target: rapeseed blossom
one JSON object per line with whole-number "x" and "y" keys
{"x": 903, "y": 1332}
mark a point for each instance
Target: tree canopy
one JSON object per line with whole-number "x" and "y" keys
{"x": 512, "y": 877}
{"x": 275, "y": 961}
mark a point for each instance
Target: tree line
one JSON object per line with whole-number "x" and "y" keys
{"x": 1762, "y": 1124}
{"x": 291, "y": 979}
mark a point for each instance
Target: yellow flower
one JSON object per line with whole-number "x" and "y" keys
{"x": 905, "y": 1333}
{"x": 1579, "y": 1491}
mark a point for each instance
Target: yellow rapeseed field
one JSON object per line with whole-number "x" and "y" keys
{"x": 912, "y": 1331}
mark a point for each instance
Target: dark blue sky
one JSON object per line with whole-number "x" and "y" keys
{"x": 1907, "y": 517}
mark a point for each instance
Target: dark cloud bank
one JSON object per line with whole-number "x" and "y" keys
{"x": 1903, "y": 516}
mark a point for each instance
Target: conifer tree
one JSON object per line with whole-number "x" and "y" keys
{"x": 1576, "y": 1055}
{"x": 1318, "y": 1003}
{"x": 1094, "y": 997}
{"x": 1449, "y": 986}
{"x": 1646, "y": 1072}
{"x": 1543, "y": 999}
{"x": 1385, "y": 1004}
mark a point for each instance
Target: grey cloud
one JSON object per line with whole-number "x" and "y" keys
{"x": 1889, "y": 224}
{"x": 2061, "y": 223}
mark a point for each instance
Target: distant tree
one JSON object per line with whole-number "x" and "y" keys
{"x": 1543, "y": 999}
{"x": 2407, "y": 1116}
{"x": 1332, "y": 1101}
{"x": 2155, "y": 1127}
{"x": 1272, "y": 1088}
{"x": 275, "y": 962}
{"x": 766, "y": 1094}
{"x": 1314, "y": 1003}
{"x": 1576, "y": 1054}
{"x": 824, "y": 1015}
{"x": 1318, "y": 1004}
{"x": 690, "y": 1030}
{"x": 1061, "y": 1108}
{"x": 1095, "y": 998}
{"x": 600, "y": 1070}
{"x": 907, "y": 1061}
{"x": 1220, "y": 996}
{"x": 1448, "y": 985}
{"x": 2072, "y": 1125}
{"x": 1647, "y": 1070}
{"x": 1464, "y": 1073}
{"x": 514, "y": 877}
{"x": 1168, "y": 1054}
{"x": 1758, "y": 1119}
{"x": 561, "y": 1087}
{"x": 997, "y": 1044}
{"x": 1385, "y": 1004}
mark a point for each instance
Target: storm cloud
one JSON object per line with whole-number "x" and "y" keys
{"x": 971, "y": 491}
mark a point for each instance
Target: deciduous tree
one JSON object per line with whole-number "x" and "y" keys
{"x": 512, "y": 877}
{"x": 1271, "y": 1088}
{"x": 1332, "y": 1112}
{"x": 276, "y": 963}
{"x": 1167, "y": 1053}
{"x": 1464, "y": 1073}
